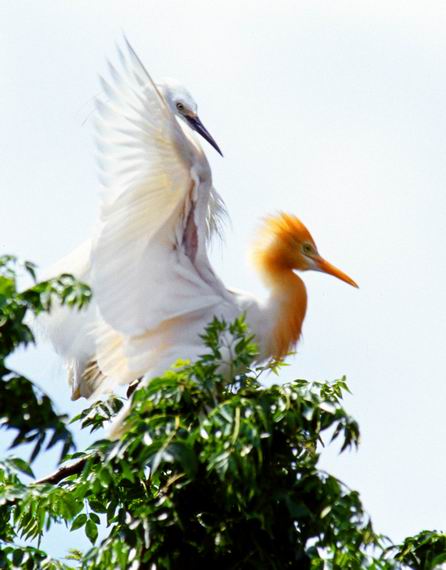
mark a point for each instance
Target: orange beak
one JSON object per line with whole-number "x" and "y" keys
{"x": 327, "y": 267}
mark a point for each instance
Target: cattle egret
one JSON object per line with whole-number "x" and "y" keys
{"x": 190, "y": 295}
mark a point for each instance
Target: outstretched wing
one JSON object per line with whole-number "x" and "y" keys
{"x": 149, "y": 170}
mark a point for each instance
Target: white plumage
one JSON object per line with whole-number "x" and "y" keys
{"x": 152, "y": 280}
{"x": 154, "y": 289}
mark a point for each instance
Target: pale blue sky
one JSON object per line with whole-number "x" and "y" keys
{"x": 333, "y": 110}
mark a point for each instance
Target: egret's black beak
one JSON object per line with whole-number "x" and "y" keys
{"x": 198, "y": 126}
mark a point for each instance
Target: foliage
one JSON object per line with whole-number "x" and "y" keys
{"x": 207, "y": 473}
{"x": 426, "y": 550}
{"x": 23, "y": 406}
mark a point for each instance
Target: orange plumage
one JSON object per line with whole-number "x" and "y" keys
{"x": 283, "y": 246}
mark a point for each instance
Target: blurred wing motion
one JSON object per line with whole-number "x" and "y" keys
{"x": 154, "y": 209}
{"x": 150, "y": 271}
{"x": 148, "y": 265}
{"x": 67, "y": 329}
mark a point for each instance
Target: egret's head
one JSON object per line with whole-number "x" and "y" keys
{"x": 182, "y": 104}
{"x": 285, "y": 243}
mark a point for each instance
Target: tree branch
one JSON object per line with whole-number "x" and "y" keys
{"x": 63, "y": 472}
{"x": 57, "y": 476}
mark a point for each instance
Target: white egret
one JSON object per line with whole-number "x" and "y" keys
{"x": 152, "y": 117}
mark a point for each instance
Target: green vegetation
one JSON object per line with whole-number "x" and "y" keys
{"x": 207, "y": 475}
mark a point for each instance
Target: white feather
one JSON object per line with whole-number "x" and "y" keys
{"x": 154, "y": 173}
{"x": 69, "y": 330}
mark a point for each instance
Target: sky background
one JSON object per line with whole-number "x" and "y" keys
{"x": 333, "y": 110}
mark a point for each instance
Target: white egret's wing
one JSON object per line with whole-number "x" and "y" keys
{"x": 69, "y": 330}
{"x": 153, "y": 175}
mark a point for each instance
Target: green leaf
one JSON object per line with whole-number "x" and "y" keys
{"x": 79, "y": 521}
{"x": 97, "y": 506}
{"x": 91, "y": 530}
{"x": 21, "y": 465}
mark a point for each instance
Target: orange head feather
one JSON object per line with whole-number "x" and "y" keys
{"x": 285, "y": 244}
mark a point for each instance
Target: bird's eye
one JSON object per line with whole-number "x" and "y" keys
{"x": 307, "y": 248}
{"x": 180, "y": 106}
